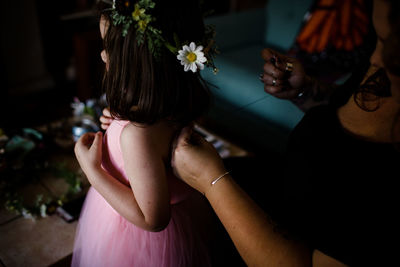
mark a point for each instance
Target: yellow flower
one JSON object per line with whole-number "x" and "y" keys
{"x": 191, "y": 57}
{"x": 138, "y": 12}
{"x": 142, "y": 25}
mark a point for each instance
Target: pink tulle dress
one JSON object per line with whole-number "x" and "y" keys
{"x": 105, "y": 238}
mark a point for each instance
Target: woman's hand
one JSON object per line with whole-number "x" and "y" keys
{"x": 283, "y": 76}
{"x": 106, "y": 118}
{"x": 195, "y": 160}
{"x": 88, "y": 151}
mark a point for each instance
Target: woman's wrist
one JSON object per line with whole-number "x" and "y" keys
{"x": 213, "y": 179}
{"x": 305, "y": 91}
{"x": 318, "y": 91}
{"x": 312, "y": 93}
{"x": 308, "y": 87}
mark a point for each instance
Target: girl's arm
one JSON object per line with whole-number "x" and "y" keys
{"x": 88, "y": 151}
{"x": 146, "y": 172}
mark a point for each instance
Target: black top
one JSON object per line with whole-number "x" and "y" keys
{"x": 341, "y": 191}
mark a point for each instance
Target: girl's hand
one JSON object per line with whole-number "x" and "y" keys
{"x": 106, "y": 118}
{"x": 280, "y": 80}
{"x": 88, "y": 151}
{"x": 195, "y": 160}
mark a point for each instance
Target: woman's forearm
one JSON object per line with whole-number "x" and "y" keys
{"x": 121, "y": 198}
{"x": 250, "y": 229}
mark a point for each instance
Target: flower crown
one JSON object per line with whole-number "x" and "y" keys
{"x": 128, "y": 13}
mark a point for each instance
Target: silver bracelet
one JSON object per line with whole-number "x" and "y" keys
{"x": 219, "y": 178}
{"x": 300, "y": 94}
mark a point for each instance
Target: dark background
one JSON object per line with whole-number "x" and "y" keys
{"x": 50, "y": 54}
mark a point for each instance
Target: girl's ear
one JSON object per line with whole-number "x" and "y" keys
{"x": 104, "y": 58}
{"x": 103, "y": 24}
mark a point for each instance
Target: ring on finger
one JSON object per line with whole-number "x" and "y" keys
{"x": 289, "y": 67}
{"x": 273, "y": 82}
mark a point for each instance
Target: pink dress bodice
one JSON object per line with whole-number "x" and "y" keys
{"x": 106, "y": 239}
{"x": 113, "y": 162}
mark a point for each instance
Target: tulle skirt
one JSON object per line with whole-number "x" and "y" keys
{"x": 104, "y": 238}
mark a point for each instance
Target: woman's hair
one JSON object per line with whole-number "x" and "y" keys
{"x": 377, "y": 85}
{"x": 368, "y": 94}
{"x": 145, "y": 89}
{"x": 391, "y": 55}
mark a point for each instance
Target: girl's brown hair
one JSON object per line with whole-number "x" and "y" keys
{"x": 145, "y": 89}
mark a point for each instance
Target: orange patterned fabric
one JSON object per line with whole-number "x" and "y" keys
{"x": 342, "y": 24}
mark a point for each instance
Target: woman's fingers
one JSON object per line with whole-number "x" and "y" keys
{"x": 271, "y": 70}
{"x": 105, "y": 119}
{"x": 270, "y": 80}
{"x": 276, "y": 60}
{"x": 195, "y": 160}
{"x": 274, "y": 90}
{"x": 282, "y": 76}
{"x": 106, "y": 112}
{"x": 105, "y": 122}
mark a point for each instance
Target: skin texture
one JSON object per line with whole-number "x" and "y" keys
{"x": 198, "y": 164}
{"x": 144, "y": 201}
{"x": 375, "y": 126}
{"x": 382, "y": 28}
{"x": 103, "y": 25}
{"x": 288, "y": 85}
{"x": 245, "y": 223}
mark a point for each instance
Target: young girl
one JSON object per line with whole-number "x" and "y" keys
{"x": 137, "y": 213}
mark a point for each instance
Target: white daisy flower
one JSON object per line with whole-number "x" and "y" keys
{"x": 192, "y": 57}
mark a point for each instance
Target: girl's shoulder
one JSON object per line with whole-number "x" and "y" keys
{"x": 156, "y": 137}
{"x": 154, "y": 131}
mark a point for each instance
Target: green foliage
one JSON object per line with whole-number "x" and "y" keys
{"x": 125, "y": 21}
{"x": 146, "y": 4}
{"x": 155, "y": 40}
{"x": 70, "y": 177}
{"x": 15, "y": 177}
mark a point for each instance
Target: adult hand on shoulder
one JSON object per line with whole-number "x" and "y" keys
{"x": 88, "y": 151}
{"x": 106, "y": 118}
{"x": 195, "y": 160}
{"x": 283, "y": 76}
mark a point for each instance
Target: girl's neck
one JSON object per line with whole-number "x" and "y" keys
{"x": 375, "y": 126}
